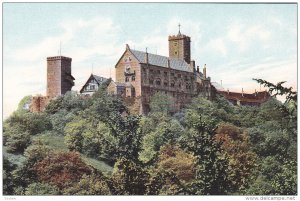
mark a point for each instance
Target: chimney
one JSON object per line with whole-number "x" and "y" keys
{"x": 192, "y": 64}
{"x": 242, "y": 92}
{"x": 204, "y": 71}
{"x": 198, "y": 69}
{"x": 168, "y": 63}
{"x": 255, "y": 93}
{"x": 228, "y": 91}
{"x": 127, "y": 47}
{"x": 146, "y": 57}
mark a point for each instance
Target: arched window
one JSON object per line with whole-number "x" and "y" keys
{"x": 157, "y": 82}
{"x": 126, "y": 79}
{"x": 172, "y": 84}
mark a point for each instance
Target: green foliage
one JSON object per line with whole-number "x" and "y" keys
{"x": 16, "y": 139}
{"x": 174, "y": 159}
{"x": 94, "y": 184}
{"x": 165, "y": 132}
{"x": 211, "y": 166}
{"x": 163, "y": 103}
{"x": 162, "y": 182}
{"x": 128, "y": 178}
{"x": 8, "y": 180}
{"x": 23, "y": 105}
{"x": 73, "y": 137}
{"x": 41, "y": 189}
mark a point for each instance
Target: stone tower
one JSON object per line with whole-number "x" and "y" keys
{"x": 180, "y": 47}
{"x": 59, "y": 77}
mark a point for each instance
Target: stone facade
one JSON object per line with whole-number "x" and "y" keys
{"x": 38, "y": 103}
{"x": 144, "y": 74}
{"x": 59, "y": 77}
{"x": 59, "y": 81}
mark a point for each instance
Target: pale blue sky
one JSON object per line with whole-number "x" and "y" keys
{"x": 236, "y": 41}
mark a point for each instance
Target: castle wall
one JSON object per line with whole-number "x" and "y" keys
{"x": 38, "y": 103}
{"x": 128, "y": 60}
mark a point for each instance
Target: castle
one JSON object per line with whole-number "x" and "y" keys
{"x": 139, "y": 75}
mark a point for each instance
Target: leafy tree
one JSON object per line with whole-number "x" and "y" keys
{"x": 16, "y": 139}
{"x": 211, "y": 165}
{"x": 94, "y": 184}
{"x": 70, "y": 101}
{"x": 285, "y": 181}
{"x": 73, "y": 137}
{"x": 8, "y": 180}
{"x": 60, "y": 119}
{"x": 23, "y": 104}
{"x": 61, "y": 169}
{"x": 242, "y": 161}
{"x": 162, "y": 182}
{"x": 128, "y": 178}
{"x": 41, "y": 189}
{"x": 165, "y": 132}
{"x": 161, "y": 102}
{"x": 172, "y": 158}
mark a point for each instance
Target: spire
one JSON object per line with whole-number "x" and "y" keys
{"x": 179, "y": 33}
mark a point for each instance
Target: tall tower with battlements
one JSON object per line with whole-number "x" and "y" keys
{"x": 180, "y": 47}
{"x": 59, "y": 77}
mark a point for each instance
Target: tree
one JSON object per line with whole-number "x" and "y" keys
{"x": 172, "y": 158}
{"x": 16, "y": 139}
{"x": 41, "y": 189}
{"x": 8, "y": 180}
{"x": 23, "y": 105}
{"x": 73, "y": 134}
{"x": 61, "y": 169}
{"x": 161, "y": 102}
{"x": 211, "y": 176}
{"x": 165, "y": 132}
{"x": 128, "y": 178}
{"x": 94, "y": 184}
{"x": 162, "y": 182}
{"x": 242, "y": 161}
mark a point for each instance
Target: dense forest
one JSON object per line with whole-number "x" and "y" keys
{"x": 94, "y": 146}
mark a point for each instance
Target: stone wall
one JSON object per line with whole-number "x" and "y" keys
{"x": 38, "y": 103}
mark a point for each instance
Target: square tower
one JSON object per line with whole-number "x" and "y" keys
{"x": 180, "y": 47}
{"x": 59, "y": 78}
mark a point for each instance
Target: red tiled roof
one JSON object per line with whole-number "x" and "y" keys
{"x": 258, "y": 97}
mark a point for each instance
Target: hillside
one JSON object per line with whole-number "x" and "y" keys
{"x": 93, "y": 146}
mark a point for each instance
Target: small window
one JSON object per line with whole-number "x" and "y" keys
{"x": 151, "y": 70}
{"x": 175, "y": 52}
{"x": 126, "y": 79}
{"x": 158, "y": 71}
{"x": 165, "y": 84}
{"x": 179, "y": 75}
{"x": 172, "y": 74}
{"x": 172, "y": 84}
{"x": 165, "y": 74}
{"x": 151, "y": 81}
{"x": 179, "y": 85}
{"x": 133, "y": 78}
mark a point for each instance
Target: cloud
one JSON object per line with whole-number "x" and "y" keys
{"x": 86, "y": 41}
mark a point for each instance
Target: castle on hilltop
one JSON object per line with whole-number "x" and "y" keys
{"x": 139, "y": 75}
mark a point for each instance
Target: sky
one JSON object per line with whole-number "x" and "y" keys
{"x": 237, "y": 42}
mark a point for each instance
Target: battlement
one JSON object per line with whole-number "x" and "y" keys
{"x": 58, "y": 58}
{"x": 177, "y": 37}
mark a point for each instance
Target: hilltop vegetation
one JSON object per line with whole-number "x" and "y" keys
{"x": 94, "y": 146}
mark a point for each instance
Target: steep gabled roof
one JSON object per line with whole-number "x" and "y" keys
{"x": 158, "y": 60}
{"x": 98, "y": 79}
